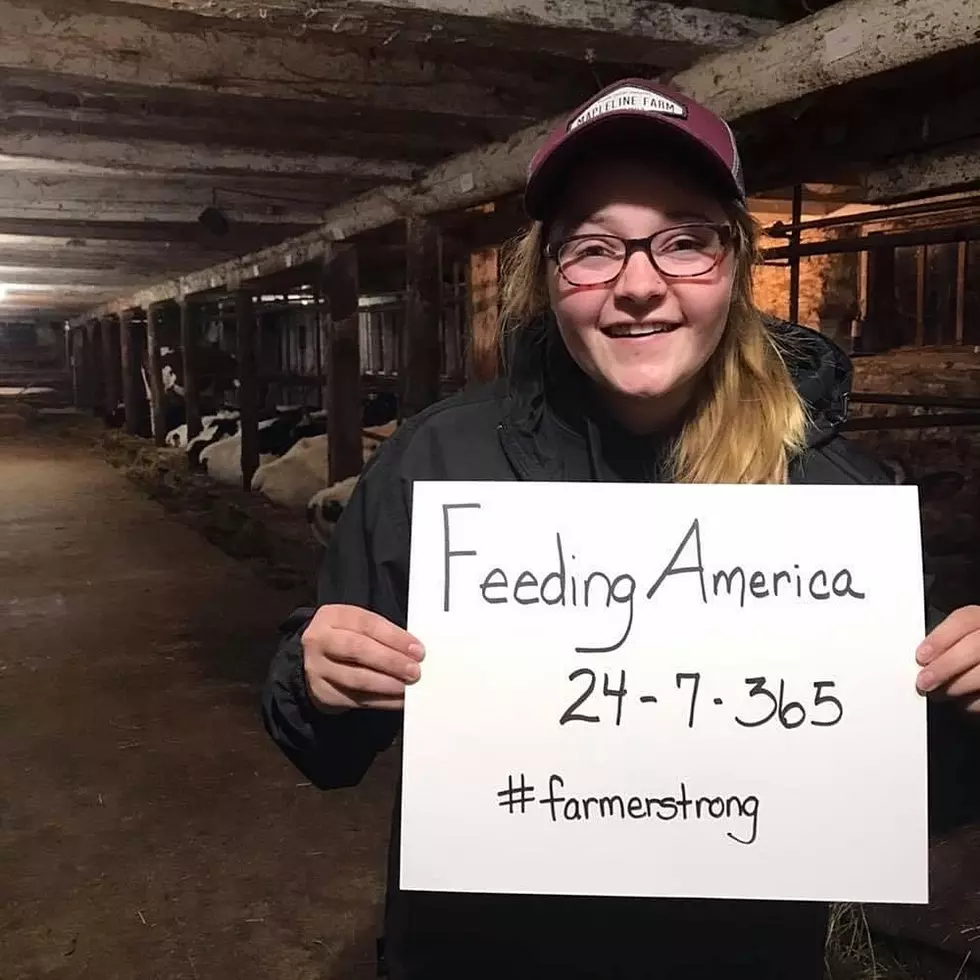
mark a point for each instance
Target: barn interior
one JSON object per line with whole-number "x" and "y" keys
{"x": 287, "y": 210}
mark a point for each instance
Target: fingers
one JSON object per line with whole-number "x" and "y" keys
{"x": 354, "y": 658}
{"x": 950, "y": 631}
{"x": 956, "y": 672}
{"x": 329, "y": 696}
{"x": 364, "y": 680}
{"x": 361, "y": 650}
{"x": 379, "y": 629}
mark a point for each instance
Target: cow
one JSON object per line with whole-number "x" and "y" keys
{"x": 324, "y": 508}
{"x": 292, "y": 479}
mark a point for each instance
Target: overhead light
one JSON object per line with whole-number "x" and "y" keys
{"x": 3, "y": 293}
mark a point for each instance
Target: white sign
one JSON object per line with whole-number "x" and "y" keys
{"x": 666, "y": 690}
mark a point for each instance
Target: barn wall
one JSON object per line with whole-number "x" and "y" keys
{"x": 31, "y": 344}
{"x": 833, "y": 288}
{"x": 922, "y": 361}
{"x": 829, "y": 284}
{"x": 951, "y": 527}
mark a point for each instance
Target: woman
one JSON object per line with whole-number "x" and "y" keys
{"x": 633, "y": 353}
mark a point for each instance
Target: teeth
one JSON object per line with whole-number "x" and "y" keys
{"x": 637, "y": 331}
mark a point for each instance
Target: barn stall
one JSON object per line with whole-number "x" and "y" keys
{"x": 309, "y": 245}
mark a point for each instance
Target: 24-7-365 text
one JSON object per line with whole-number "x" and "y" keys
{"x": 765, "y": 701}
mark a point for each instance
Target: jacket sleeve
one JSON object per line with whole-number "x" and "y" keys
{"x": 366, "y": 565}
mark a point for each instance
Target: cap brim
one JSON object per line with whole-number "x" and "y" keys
{"x": 640, "y": 130}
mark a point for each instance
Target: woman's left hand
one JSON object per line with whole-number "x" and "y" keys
{"x": 950, "y": 658}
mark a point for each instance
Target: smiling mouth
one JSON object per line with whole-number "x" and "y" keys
{"x": 638, "y": 329}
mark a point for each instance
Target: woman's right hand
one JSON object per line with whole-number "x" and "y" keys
{"x": 354, "y": 658}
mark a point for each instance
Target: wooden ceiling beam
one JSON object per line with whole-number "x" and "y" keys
{"x": 841, "y": 137}
{"x": 845, "y": 43}
{"x": 159, "y": 234}
{"x": 153, "y": 157}
{"x": 168, "y": 199}
{"x": 125, "y": 43}
{"x": 72, "y": 105}
{"x": 946, "y": 170}
{"x": 68, "y": 279}
{"x": 667, "y": 34}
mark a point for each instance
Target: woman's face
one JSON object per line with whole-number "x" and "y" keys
{"x": 647, "y": 377}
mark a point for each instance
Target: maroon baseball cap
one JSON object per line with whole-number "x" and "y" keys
{"x": 645, "y": 110}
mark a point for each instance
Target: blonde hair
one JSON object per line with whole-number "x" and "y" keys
{"x": 748, "y": 419}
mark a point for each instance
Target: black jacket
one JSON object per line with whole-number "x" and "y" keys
{"x": 535, "y": 424}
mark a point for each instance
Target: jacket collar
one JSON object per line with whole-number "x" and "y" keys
{"x": 542, "y": 378}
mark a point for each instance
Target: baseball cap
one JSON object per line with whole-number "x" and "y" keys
{"x": 644, "y": 110}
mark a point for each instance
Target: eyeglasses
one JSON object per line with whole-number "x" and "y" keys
{"x": 676, "y": 253}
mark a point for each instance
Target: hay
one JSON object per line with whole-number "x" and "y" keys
{"x": 852, "y": 952}
{"x": 246, "y": 526}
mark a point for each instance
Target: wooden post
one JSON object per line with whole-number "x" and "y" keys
{"x": 794, "y": 260}
{"x": 880, "y": 325}
{"x": 960, "y": 291}
{"x": 75, "y": 355}
{"x": 188, "y": 347}
{"x": 130, "y": 356}
{"x": 420, "y": 365}
{"x": 318, "y": 343}
{"x": 248, "y": 404}
{"x": 920, "y": 295}
{"x": 111, "y": 366}
{"x": 482, "y": 348}
{"x": 157, "y": 419}
{"x": 95, "y": 366}
{"x": 341, "y": 346}
{"x": 83, "y": 367}
{"x": 126, "y": 366}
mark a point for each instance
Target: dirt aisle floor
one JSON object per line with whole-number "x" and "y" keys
{"x": 148, "y": 826}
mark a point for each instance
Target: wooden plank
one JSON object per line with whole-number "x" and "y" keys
{"x": 872, "y": 423}
{"x": 926, "y": 400}
{"x": 863, "y": 243}
{"x": 120, "y": 43}
{"x": 842, "y": 43}
{"x": 189, "y": 356}
{"x": 49, "y": 104}
{"x": 960, "y": 291}
{"x": 482, "y": 349}
{"x": 423, "y": 300}
{"x": 168, "y": 197}
{"x": 341, "y": 347}
{"x": 945, "y": 171}
{"x": 38, "y": 231}
{"x": 655, "y": 32}
{"x": 76, "y": 280}
{"x": 158, "y": 426}
{"x": 248, "y": 404}
{"x": 150, "y": 156}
